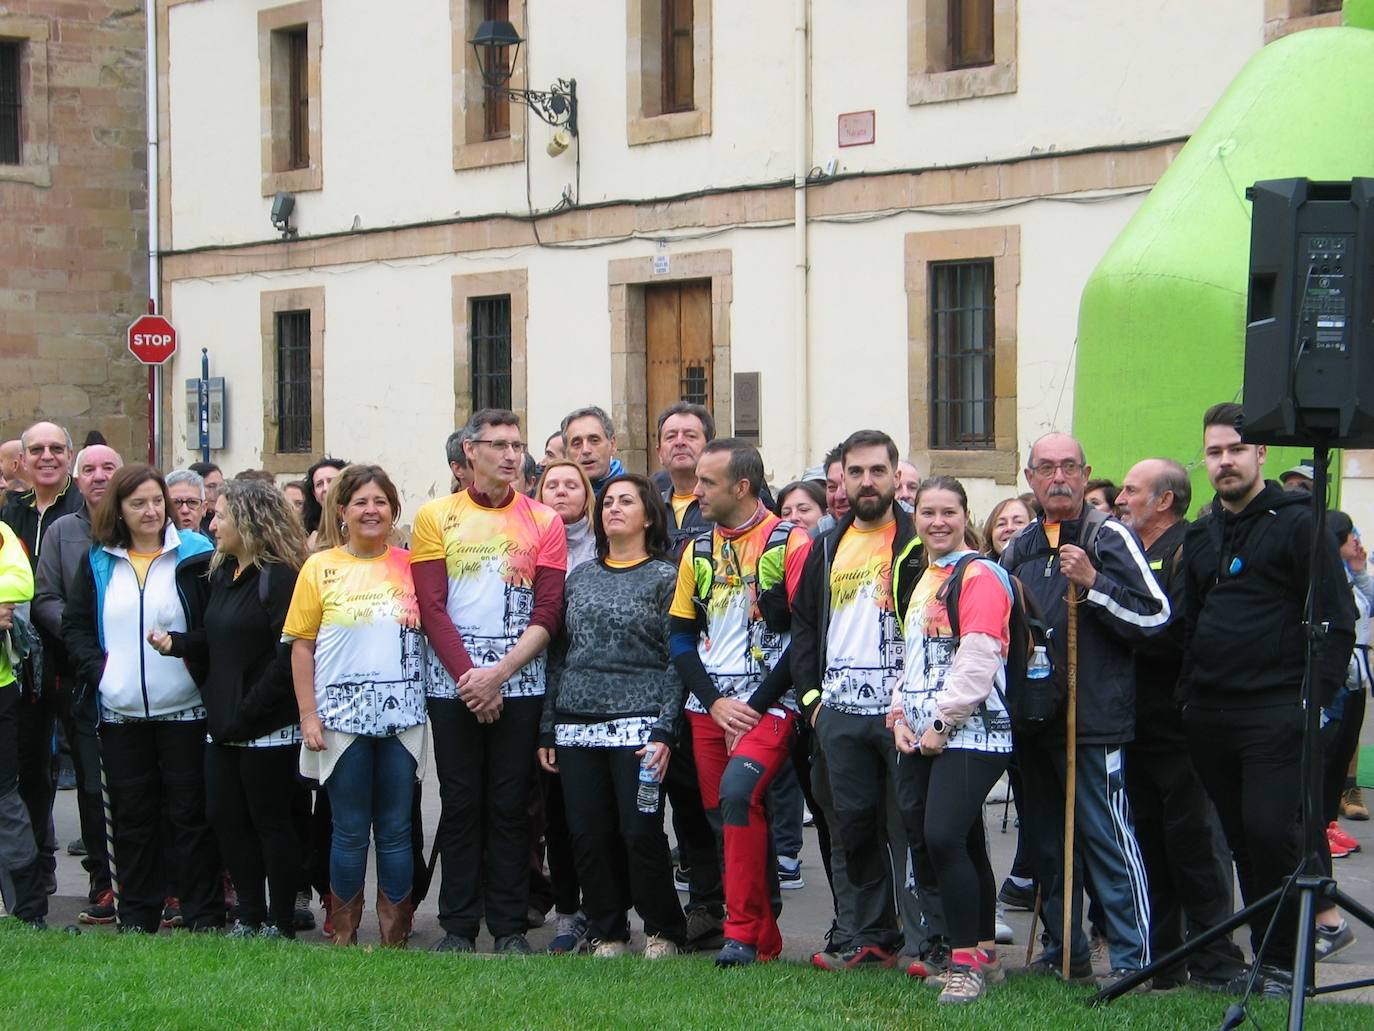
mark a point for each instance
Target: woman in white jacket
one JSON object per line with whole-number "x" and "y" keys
{"x": 143, "y": 574}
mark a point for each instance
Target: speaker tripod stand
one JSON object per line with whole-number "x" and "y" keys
{"x": 1309, "y": 882}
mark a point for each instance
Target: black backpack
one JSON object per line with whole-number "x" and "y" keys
{"x": 1030, "y": 704}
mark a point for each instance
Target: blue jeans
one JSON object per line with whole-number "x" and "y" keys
{"x": 370, "y": 792}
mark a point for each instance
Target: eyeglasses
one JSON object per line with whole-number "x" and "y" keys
{"x": 1069, "y": 467}
{"x": 57, "y": 450}
{"x": 185, "y": 502}
{"x": 502, "y": 446}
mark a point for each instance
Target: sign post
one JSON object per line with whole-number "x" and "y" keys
{"x": 152, "y": 340}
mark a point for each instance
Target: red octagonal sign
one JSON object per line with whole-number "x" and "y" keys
{"x": 152, "y": 340}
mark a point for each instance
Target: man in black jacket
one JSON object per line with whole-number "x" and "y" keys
{"x": 1074, "y": 547}
{"x": 1247, "y": 570}
{"x": 1175, "y": 824}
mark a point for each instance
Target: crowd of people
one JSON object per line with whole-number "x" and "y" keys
{"x": 250, "y": 678}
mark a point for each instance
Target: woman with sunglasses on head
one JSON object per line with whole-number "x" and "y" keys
{"x": 610, "y": 719}
{"x": 950, "y": 725}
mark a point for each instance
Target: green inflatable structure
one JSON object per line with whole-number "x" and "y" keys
{"x": 1161, "y": 327}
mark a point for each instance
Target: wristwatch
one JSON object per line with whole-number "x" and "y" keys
{"x": 940, "y": 726}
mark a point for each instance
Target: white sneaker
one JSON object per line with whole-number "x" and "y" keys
{"x": 1004, "y": 935}
{"x": 610, "y": 950}
{"x": 657, "y": 947}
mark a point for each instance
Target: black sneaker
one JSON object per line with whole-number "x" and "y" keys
{"x": 1079, "y": 973}
{"x": 681, "y": 880}
{"x": 454, "y": 943}
{"x": 512, "y": 945}
{"x": 1118, "y": 975}
{"x": 101, "y": 911}
{"x": 76, "y": 847}
{"x": 303, "y": 918}
{"x": 705, "y": 931}
{"x": 1014, "y": 896}
{"x": 853, "y": 958}
{"x": 1331, "y": 940}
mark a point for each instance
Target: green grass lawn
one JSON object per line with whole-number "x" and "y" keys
{"x": 52, "y": 980}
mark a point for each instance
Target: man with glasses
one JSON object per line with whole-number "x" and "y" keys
{"x": 1121, "y": 605}
{"x": 45, "y": 465}
{"x": 187, "y": 491}
{"x": 489, "y": 566}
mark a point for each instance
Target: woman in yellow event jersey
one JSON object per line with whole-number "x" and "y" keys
{"x": 951, "y": 727}
{"x": 356, "y": 661}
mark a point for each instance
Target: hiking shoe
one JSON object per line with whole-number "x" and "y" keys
{"x": 854, "y": 957}
{"x": 658, "y": 947}
{"x": 1352, "y": 804}
{"x": 1334, "y": 843}
{"x": 77, "y": 847}
{"x": 1115, "y": 976}
{"x": 571, "y": 935}
{"x": 1173, "y": 982}
{"x": 101, "y": 911}
{"x": 512, "y": 945}
{"x": 610, "y": 950}
{"x": 705, "y": 930}
{"x": 454, "y": 943}
{"x": 1337, "y": 835}
{"x": 303, "y": 919}
{"x": 171, "y": 911}
{"x": 1014, "y": 896}
{"x": 1331, "y": 940}
{"x": 241, "y": 931}
{"x": 736, "y": 954}
{"x": 789, "y": 874}
{"x": 1099, "y": 954}
{"x": 990, "y": 963}
{"x": 271, "y": 932}
{"x": 964, "y": 979}
{"x": 1270, "y": 982}
{"x": 1079, "y": 973}
{"x": 931, "y": 963}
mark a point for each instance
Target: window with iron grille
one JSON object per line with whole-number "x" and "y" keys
{"x": 679, "y": 86}
{"x": 970, "y": 33}
{"x": 298, "y": 71}
{"x": 495, "y": 106}
{"x": 489, "y": 354}
{"x": 293, "y": 382}
{"x": 694, "y": 385}
{"x": 11, "y": 136}
{"x": 962, "y": 355}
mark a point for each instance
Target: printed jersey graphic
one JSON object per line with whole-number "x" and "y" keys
{"x": 369, "y": 652}
{"x": 863, "y": 646}
{"x": 736, "y": 647}
{"x": 930, "y": 648}
{"x": 491, "y": 555}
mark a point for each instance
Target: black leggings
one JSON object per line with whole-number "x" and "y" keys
{"x": 941, "y": 799}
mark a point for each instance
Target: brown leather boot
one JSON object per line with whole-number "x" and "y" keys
{"x": 345, "y": 917}
{"x": 393, "y": 918}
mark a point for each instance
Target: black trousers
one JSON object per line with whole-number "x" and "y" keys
{"x": 567, "y": 889}
{"x": 18, "y": 852}
{"x": 249, "y": 801}
{"x": 483, "y": 835}
{"x": 860, "y": 762}
{"x": 696, "y": 839}
{"x": 152, "y": 766}
{"x": 1248, "y": 760}
{"x": 35, "y": 720}
{"x": 1180, "y": 840}
{"x": 1344, "y": 741}
{"x": 85, "y": 750}
{"x": 941, "y": 799}
{"x": 622, "y": 854}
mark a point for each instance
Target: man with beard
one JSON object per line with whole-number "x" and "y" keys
{"x": 1074, "y": 547}
{"x": 1246, "y": 580}
{"x": 846, "y": 657}
{"x": 1190, "y": 886}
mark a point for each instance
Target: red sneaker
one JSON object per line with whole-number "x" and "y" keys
{"x": 1337, "y": 837}
{"x": 853, "y": 957}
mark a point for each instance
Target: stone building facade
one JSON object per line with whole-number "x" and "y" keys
{"x": 73, "y": 219}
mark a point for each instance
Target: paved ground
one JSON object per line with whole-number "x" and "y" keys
{"x": 806, "y": 913}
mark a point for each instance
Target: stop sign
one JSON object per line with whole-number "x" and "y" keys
{"x": 152, "y": 340}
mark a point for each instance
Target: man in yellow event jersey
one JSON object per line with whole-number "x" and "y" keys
{"x": 846, "y": 657}
{"x": 729, "y": 639}
{"x": 489, "y": 568}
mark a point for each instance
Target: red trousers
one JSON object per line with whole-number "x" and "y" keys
{"x": 734, "y": 783}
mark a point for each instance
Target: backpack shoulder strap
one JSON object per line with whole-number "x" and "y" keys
{"x": 701, "y": 552}
{"x": 1089, "y": 529}
{"x": 263, "y": 571}
{"x": 950, "y": 590}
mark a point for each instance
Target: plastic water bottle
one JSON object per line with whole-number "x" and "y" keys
{"x": 1039, "y": 667}
{"x": 647, "y": 798}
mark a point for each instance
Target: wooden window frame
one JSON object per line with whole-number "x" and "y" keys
{"x": 496, "y": 112}
{"x": 1002, "y": 246}
{"x": 35, "y": 154}
{"x": 932, "y": 77}
{"x": 629, "y": 386}
{"x": 278, "y": 27}
{"x": 472, "y": 147}
{"x": 668, "y": 103}
{"x": 513, "y": 283}
{"x": 646, "y": 121}
{"x": 274, "y": 302}
{"x": 1285, "y": 17}
{"x": 957, "y": 58}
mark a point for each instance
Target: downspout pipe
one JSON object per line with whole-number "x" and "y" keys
{"x": 155, "y": 413}
{"x": 800, "y": 299}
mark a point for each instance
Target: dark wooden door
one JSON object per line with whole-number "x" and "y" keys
{"x": 677, "y": 323}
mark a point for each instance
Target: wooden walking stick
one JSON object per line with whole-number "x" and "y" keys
{"x": 1070, "y": 776}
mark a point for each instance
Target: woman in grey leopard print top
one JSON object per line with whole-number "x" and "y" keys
{"x": 611, "y": 701}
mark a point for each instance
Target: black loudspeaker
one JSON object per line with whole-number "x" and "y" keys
{"x": 1309, "y": 367}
